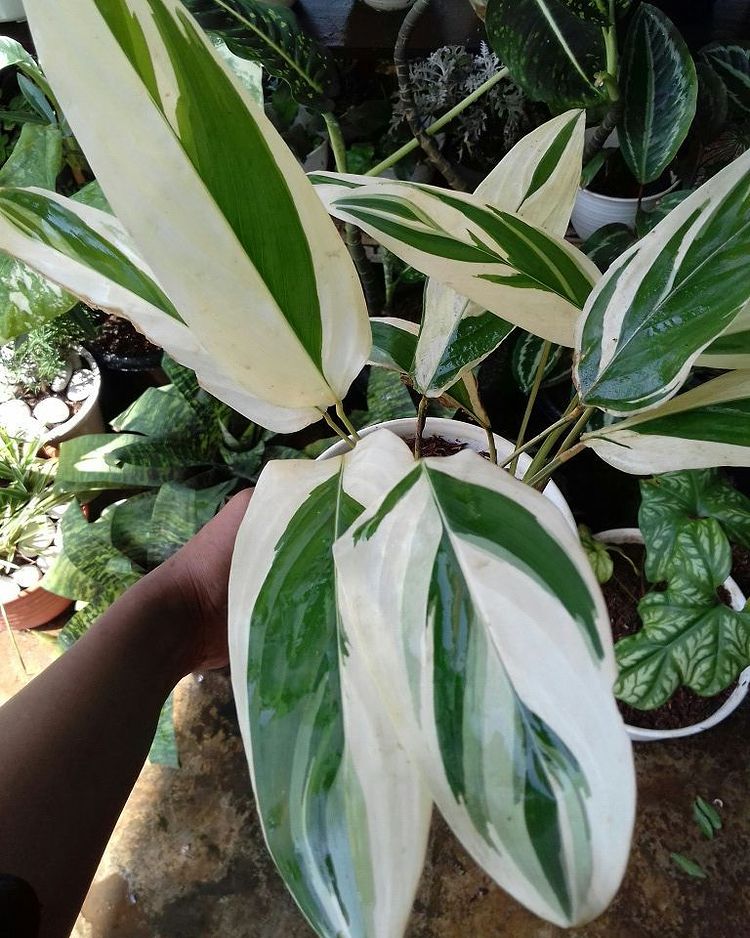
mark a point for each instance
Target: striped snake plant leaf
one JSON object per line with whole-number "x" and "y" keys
{"x": 689, "y": 636}
{"x": 215, "y": 201}
{"x": 344, "y": 812}
{"x": 731, "y": 62}
{"x": 659, "y": 92}
{"x": 732, "y": 348}
{"x": 488, "y": 637}
{"x": 538, "y": 179}
{"x": 667, "y": 298}
{"x": 271, "y": 35}
{"x": 704, "y": 427}
{"x": 552, "y": 53}
{"x": 495, "y": 258}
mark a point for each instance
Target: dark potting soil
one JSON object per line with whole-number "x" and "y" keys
{"x": 741, "y": 568}
{"x": 117, "y": 337}
{"x": 622, "y": 594}
{"x": 437, "y": 446}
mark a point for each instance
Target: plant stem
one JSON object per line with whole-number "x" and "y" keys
{"x": 560, "y": 424}
{"x": 441, "y": 122}
{"x": 491, "y": 447}
{"x": 338, "y": 147}
{"x": 602, "y": 132}
{"x": 546, "y": 448}
{"x": 540, "y": 369}
{"x": 421, "y": 418}
{"x": 336, "y": 428}
{"x": 13, "y": 641}
{"x": 347, "y": 422}
{"x": 551, "y": 467}
{"x": 576, "y": 431}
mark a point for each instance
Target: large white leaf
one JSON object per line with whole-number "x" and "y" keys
{"x": 490, "y": 642}
{"x": 215, "y": 201}
{"x": 704, "y": 427}
{"x": 344, "y": 812}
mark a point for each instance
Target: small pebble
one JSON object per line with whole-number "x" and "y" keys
{"x": 9, "y": 589}
{"x": 81, "y": 385}
{"x": 61, "y": 379}
{"x": 29, "y": 429}
{"x": 13, "y": 412}
{"x": 27, "y": 576}
{"x": 51, "y": 411}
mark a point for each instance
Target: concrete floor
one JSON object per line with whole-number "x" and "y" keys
{"x": 187, "y": 859}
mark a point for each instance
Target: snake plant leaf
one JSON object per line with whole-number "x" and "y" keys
{"x": 271, "y": 35}
{"x": 164, "y": 749}
{"x": 491, "y": 646}
{"x": 552, "y": 53}
{"x": 667, "y": 298}
{"x": 689, "y": 636}
{"x": 130, "y": 527}
{"x": 178, "y": 514}
{"x": 239, "y": 253}
{"x": 659, "y": 92}
{"x": 670, "y": 502}
{"x": 344, "y": 812}
{"x": 161, "y": 412}
{"x": 731, "y": 62}
{"x": 732, "y": 348}
{"x": 704, "y": 427}
{"x": 527, "y": 357}
{"x": 537, "y": 179}
{"x": 495, "y": 258}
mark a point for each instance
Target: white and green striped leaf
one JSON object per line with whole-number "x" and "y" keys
{"x": 704, "y": 427}
{"x": 659, "y": 88}
{"x": 214, "y": 200}
{"x": 665, "y": 300}
{"x": 538, "y": 180}
{"x": 527, "y": 359}
{"x": 488, "y": 637}
{"x": 732, "y": 348}
{"x": 495, "y": 258}
{"x": 553, "y": 53}
{"x": 343, "y": 810}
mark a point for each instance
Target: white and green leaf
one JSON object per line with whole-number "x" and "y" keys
{"x": 343, "y": 810}
{"x": 664, "y": 301}
{"x": 240, "y": 253}
{"x": 732, "y": 348}
{"x": 491, "y": 646}
{"x": 704, "y": 427}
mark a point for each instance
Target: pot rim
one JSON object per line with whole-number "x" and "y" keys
{"x": 642, "y": 735}
{"x": 456, "y": 431}
{"x": 632, "y": 199}
{"x": 54, "y": 434}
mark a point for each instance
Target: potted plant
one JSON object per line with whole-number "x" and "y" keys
{"x": 404, "y": 630}
{"x": 49, "y": 383}
{"x": 30, "y": 513}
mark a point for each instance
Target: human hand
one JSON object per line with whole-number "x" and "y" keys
{"x": 196, "y": 580}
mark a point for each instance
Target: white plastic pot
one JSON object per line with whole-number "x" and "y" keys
{"x": 593, "y": 211}
{"x": 453, "y": 431}
{"x": 88, "y": 418}
{"x": 11, "y": 11}
{"x": 619, "y": 536}
{"x": 389, "y": 4}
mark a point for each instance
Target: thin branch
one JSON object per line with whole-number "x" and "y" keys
{"x": 602, "y": 132}
{"x": 538, "y": 377}
{"x": 421, "y": 419}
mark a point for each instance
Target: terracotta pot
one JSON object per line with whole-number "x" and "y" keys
{"x": 35, "y": 607}
{"x": 639, "y": 734}
{"x": 453, "y": 431}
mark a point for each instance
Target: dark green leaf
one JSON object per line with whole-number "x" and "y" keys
{"x": 645, "y": 221}
{"x": 36, "y": 99}
{"x": 164, "y": 747}
{"x": 159, "y": 412}
{"x": 689, "y": 866}
{"x": 591, "y": 169}
{"x": 731, "y": 62}
{"x": 387, "y": 397}
{"x": 706, "y": 817}
{"x": 607, "y": 244}
{"x": 712, "y": 108}
{"x": 598, "y": 555}
{"x": 527, "y": 357}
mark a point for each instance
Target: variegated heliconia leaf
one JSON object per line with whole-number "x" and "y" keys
{"x": 344, "y": 811}
{"x": 732, "y": 348}
{"x": 704, "y": 427}
{"x": 538, "y": 180}
{"x": 216, "y": 203}
{"x": 659, "y": 91}
{"x": 495, "y": 258}
{"x": 667, "y": 298}
{"x": 488, "y": 637}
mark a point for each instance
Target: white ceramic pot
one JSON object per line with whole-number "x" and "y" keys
{"x": 637, "y": 733}
{"x": 88, "y": 418}
{"x": 453, "y": 431}
{"x": 593, "y": 211}
{"x": 11, "y": 11}
{"x": 389, "y": 4}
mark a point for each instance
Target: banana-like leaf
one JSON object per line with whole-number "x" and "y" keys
{"x": 495, "y": 258}
{"x": 552, "y": 53}
{"x": 689, "y": 635}
{"x": 537, "y": 179}
{"x": 667, "y": 298}
{"x": 670, "y": 502}
{"x": 344, "y": 813}
{"x": 215, "y": 201}
{"x": 489, "y": 640}
{"x": 731, "y": 62}
{"x": 704, "y": 427}
{"x": 659, "y": 92}
{"x": 732, "y": 348}
{"x": 271, "y": 35}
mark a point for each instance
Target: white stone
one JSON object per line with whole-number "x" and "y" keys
{"x": 29, "y": 429}
{"x": 51, "y": 410}
{"x": 61, "y": 379}
{"x": 27, "y": 576}
{"x": 13, "y": 413}
{"x": 6, "y": 392}
{"x": 81, "y": 385}
{"x": 9, "y": 589}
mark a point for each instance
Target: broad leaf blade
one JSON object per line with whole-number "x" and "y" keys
{"x": 659, "y": 90}
{"x": 343, "y": 811}
{"x": 480, "y": 642}
{"x": 667, "y": 298}
{"x": 731, "y": 62}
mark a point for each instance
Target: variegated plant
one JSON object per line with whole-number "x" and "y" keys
{"x": 403, "y": 632}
